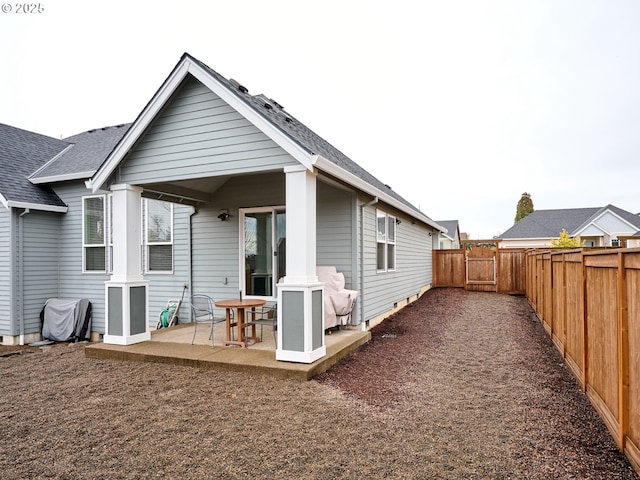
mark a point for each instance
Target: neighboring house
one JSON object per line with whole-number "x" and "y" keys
{"x": 450, "y": 239}
{"x": 596, "y": 227}
{"x": 236, "y": 196}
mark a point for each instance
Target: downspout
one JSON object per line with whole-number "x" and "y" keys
{"x": 21, "y": 273}
{"x": 362, "y": 207}
{"x": 190, "y": 289}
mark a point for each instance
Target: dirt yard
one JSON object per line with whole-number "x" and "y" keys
{"x": 458, "y": 385}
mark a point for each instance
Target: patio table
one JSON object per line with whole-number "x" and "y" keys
{"x": 240, "y": 305}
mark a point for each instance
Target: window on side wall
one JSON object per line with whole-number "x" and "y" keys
{"x": 158, "y": 236}
{"x": 386, "y": 241}
{"x": 94, "y": 258}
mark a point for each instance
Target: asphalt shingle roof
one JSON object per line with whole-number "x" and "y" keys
{"x": 21, "y": 153}
{"x": 301, "y": 134}
{"x": 86, "y": 155}
{"x": 549, "y": 223}
{"x": 450, "y": 225}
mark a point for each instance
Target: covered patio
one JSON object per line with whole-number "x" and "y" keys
{"x": 173, "y": 346}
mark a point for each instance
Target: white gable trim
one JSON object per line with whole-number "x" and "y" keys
{"x": 594, "y": 223}
{"x": 36, "y": 206}
{"x": 159, "y": 100}
{"x": 35, "y": 181}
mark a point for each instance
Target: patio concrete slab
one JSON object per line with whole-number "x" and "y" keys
{"x": 173, "y": 346}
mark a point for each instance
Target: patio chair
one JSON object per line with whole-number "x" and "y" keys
{"x": 266, "y": 316}
{"x": 202, "y": 312}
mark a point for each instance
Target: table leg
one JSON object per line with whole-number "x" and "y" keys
{"x": 228, "y": 317}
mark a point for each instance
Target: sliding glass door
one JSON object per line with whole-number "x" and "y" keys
{"x": 263, "y": 255}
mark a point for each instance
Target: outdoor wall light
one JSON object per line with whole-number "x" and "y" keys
{"x": 224, "y": 215}
{"x": 398, "y": 221}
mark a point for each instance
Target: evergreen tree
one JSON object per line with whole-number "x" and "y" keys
{"x": 525, "y": 207}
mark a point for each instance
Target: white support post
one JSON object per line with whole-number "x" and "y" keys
{"x": 300, "y": 294}
{"x": 127, "y": 292}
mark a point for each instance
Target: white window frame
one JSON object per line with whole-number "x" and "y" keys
{"x": 384, "y": 242}
{"x": 274, "y": 210}
{"x": 105, "y": 235}
{"x": 147, "y": 244}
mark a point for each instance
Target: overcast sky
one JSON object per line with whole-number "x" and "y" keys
{"x": 459, "y": 106}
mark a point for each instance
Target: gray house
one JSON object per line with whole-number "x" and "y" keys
{"x": 223, "y": 191}
{"x": 597, "y": 227}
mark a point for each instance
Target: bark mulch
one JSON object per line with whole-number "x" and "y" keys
{"x": 457, "y": 385}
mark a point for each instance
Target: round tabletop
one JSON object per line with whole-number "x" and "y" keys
{"x": 237, "y": 303}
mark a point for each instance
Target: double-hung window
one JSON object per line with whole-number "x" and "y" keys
{"x": 94, "y": 234}
{"x": 386, "y": 241}
{"x": 159, "y": 236}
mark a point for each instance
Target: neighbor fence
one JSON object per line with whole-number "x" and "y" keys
{"x": 589, "y": 304}
{"x": 481, "y": 269}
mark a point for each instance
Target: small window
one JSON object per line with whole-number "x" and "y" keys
{"x": 159, "y": 236}
{"x": 386, "y": 241}
{"x": 94, "y": 234}
{"x": 615, "y": 242}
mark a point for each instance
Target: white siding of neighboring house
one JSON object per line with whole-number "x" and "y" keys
{"x": 6, "y": 283}
{"x": 196, "y": 135}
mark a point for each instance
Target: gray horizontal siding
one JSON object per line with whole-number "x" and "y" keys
{"x": 197, "y": 134}
{"x": 41, "y": 265}
{"x": 216, "y": 244}
{"x": 6, "y": 283}
{"x": 76, "y": 284}
{"x": 413, "y": 265}
{"x": 164, "y": 287}
{"x": 335, "y": 245}
{"x": 73, "y": 282}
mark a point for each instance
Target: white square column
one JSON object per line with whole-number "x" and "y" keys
{"x": 127, "y": 292}
{"x": 300, "y": 294}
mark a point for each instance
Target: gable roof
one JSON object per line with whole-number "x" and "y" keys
{"x": 451, "y": 226}
{"x": 549, "y": 223}
{"x": 294, "y": 137}
{"x": 21, "y": 153}
{"x": 88, "y": 151}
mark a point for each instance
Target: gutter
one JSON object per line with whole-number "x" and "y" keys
{"x": 21, "y": 272}
{"x": 362, "y": 207}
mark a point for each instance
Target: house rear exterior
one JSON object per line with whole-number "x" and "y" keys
{"x": 225, "y": 192}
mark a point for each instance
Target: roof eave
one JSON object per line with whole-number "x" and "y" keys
{"x": 62, "y": 178}
{"x": 37, "y": 206}
{"x": 328, "y": 166}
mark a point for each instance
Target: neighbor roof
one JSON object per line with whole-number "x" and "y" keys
{"x": 451, "y": 226}
{"x": 549, "y": 223}
{"x": 21, "y": 153}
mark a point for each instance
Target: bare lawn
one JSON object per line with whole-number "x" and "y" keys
{"x": 458, "y": 385}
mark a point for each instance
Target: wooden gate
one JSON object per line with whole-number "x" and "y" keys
{"x": 481, "y": 266}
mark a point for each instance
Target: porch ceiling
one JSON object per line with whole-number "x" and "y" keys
{"x": 193, "y": 191}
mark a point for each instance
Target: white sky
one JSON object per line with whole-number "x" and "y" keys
{"x": 459, "y": 106}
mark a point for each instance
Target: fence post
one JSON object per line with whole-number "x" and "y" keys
{"x": 623, "y": 352}
{"x": 584, "y": 322}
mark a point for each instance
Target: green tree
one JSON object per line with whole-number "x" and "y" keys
{"x": 525, "y": 207}
{"x": 565, "y": 241}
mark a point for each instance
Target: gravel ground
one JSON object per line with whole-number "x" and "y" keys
{"x": 458, "y": 385}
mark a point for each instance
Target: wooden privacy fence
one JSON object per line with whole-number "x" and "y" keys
{"x": 482, "y": 268}
{"x": 589, "y": 304}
